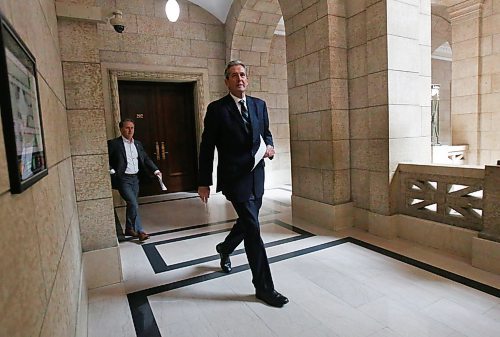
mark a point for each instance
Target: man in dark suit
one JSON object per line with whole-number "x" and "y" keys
{"x": 127, "y": 159}
{"x": 235, "y": 125}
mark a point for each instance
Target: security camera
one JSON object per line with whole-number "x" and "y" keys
{"x": 117, "y": 21}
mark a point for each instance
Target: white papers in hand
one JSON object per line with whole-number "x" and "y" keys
{"x": 260, "y": 153}
{"x": 162, "y": 185}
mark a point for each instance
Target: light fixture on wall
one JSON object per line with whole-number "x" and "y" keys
{"x": 172, "y": 10}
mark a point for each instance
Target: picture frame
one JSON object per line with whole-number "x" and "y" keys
{"x": 20, "y": 110}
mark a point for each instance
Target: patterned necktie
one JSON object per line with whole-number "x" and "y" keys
{"x": 244, "y": 114}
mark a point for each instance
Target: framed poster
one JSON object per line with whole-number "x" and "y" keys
{"x": 20, "y": 109}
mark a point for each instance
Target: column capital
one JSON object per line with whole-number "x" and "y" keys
{"x": 464, "y": 10}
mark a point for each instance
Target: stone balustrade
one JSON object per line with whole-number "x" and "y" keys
{"x": 467, "y": 197}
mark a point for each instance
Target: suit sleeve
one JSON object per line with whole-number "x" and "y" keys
{"x": 207, "y": 148}
{"x": 111, "y": 155}
{"x": 148, "y": 163}
{"x": 268, "y": 138}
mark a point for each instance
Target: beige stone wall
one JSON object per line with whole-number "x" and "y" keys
{"x": 441, "y": 74}
{"x": 40, "y": 246}
{"x": 86, "y": 126}
{"x": 409, "y": 81}
{"x": 389, "y": 96}
{"x": 368, "y": 119}
{"x": 318, "y": 100}
{"x": 195, "y": 41}
{"x": 490, "y": 83}
{"x": 275, "y": 84}
{"x": 476, "y": 73}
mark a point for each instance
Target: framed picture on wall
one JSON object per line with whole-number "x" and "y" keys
{"x": 20, "y": 109}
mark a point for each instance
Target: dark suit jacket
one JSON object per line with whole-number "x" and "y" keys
{"x": 118, "y": 159}
{"x": 224, "y": 130}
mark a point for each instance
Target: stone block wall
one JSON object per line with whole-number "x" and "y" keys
{"x": 389, "y": 74}
{"x": 489, "y": 86}
{"x": 41, "y": 251}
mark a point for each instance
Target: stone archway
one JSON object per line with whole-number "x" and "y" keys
{"x": 250, "y": 37}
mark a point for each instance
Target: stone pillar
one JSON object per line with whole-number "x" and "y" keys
{"x": 389, "y": 58}
{"x": 408, "y": 85}
{"x": 87, "y": 133}
{"x": 318, "y": 106}
{"x": 491, "y": 211}
{"x": 465, "y": 19}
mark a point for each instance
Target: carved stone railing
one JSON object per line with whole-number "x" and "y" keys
{"x": 451, "y": 195}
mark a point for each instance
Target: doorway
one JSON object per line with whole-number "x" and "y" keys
{"x": 165, "y": 123}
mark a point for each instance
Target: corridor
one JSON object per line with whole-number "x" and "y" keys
{"x": 345, "y": 283}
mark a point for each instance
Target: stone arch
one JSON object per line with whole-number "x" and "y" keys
{"x": 440, "y": 26}
{"x": 250, "y": 27}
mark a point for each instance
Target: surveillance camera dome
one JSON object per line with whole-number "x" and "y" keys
{"x": 119, "y": 28}
{"x": 117, "y": 22}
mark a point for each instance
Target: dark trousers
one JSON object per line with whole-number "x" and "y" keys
{"x": 129, "y": 191}
{"x": 247, "y": 229}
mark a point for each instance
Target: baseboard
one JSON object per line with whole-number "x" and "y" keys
{"x": 102, "y": 267}
{"x": 333, "y": 217}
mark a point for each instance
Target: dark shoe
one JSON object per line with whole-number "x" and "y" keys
{"x": 131, "y": 232}
{"x": 225, "y": 261}
{"x": 143, "y": 236}
{"x": 273, "y": 298}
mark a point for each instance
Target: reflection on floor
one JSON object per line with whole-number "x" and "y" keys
{"x": 346, "y": 283}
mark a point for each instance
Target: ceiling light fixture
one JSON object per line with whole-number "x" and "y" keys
{"x": 172, "y": 10}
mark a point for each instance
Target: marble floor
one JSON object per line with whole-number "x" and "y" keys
{"x": 345, "y": 283}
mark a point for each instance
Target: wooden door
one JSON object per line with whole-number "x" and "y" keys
{"x": 164, "y": 123}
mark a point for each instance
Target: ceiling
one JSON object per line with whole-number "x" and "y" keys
{"x": 218, "y": 8}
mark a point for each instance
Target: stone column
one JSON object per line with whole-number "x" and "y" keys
{"x": 389, "y": 49}
{"x": 491, "y": 211}
{"x": 318, "y": 106}
{"x": 465, "y": 19}
{"x": 87, "y": 133}
{"x": 408, "y": 85}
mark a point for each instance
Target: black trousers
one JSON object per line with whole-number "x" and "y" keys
{"x": 247, "y": 229}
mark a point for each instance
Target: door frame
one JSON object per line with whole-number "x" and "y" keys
{"x": 113, "y": 72}
{"x": 179, "y": 75}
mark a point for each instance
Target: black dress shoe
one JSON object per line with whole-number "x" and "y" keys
{"x": 225, "y": 261}
{"x": 273, "y": 298}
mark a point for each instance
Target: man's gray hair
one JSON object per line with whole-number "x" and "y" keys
{"x": 232, "y": 64}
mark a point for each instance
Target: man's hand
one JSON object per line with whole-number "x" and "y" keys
{"x": 269, "y": 152}
{"x": 204, "y": 193}
{"x": 158, "y": 173}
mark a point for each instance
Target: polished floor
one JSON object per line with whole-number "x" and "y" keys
{"x": 346, "y": 283}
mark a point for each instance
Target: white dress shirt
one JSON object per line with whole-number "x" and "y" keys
{"x": 132, "y": 156}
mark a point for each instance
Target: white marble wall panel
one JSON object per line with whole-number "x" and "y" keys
{"x": 404, "y": 150}
{"x": 404, "y": 55}
{"x": 404, "y": 121}
{"x": 404, "y": 87}
{"x": 403, "y": 19}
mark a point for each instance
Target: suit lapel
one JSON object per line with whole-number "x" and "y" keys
{"x": 254, "y": 120}
{"x": 122, "y": 148}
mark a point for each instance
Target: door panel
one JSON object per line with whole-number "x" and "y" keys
{"x": 164, "y": 123}
{"x": 179, "y": 137}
